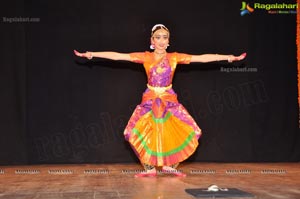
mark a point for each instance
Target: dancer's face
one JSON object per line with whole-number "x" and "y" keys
{"x": 160, "y": 39}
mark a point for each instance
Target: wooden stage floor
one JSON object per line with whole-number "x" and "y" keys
{"x": 114, "y": 181}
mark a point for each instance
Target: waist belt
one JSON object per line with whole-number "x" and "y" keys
{"x": 159, "y": 99}
{"x": 159, "y": 89}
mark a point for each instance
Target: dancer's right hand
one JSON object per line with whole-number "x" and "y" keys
{"x": 87, "y": 54}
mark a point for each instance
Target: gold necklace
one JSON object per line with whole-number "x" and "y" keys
{"x": 160, "y": 54}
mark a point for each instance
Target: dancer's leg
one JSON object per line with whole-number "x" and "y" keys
{"x": 172, "y": 170}
{"x": 148, "y": 167}
{"x": 150, "y": 171}
{"x": 171, "y": 167}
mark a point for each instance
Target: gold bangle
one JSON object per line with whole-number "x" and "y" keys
{"x": 229, "y": 60}
{"x": 91, "y": 55}
{"x": 217, "y": 57}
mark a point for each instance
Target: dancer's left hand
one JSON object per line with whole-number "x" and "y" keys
{"x": 233, "y": 58}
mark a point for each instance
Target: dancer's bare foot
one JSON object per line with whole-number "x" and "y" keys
{"x": 173, "y": 171}
{"x": 146, "y": 173}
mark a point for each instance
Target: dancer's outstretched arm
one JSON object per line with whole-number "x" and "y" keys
{"x": 217, "y": 57}
{"x": 126, "y": 57}
{"x": 105, "y": 55}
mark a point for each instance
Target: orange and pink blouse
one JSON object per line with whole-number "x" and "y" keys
{"x": 160, "y": 72}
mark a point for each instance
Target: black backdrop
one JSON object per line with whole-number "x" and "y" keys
{"x": 58, "y": 108}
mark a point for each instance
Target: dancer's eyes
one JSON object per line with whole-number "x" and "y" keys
{"x": 159, "y": 37}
